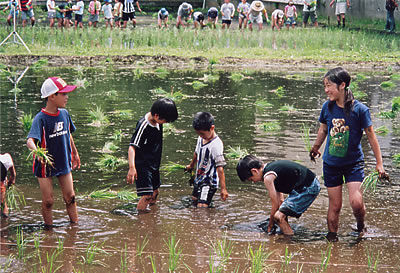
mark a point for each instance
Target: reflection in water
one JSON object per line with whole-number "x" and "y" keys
{"x": 117, "y": 223}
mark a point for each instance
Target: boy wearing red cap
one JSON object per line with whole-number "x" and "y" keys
{"x": 51, "y": 129}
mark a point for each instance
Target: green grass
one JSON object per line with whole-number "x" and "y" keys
{"x": 388, "y": 85}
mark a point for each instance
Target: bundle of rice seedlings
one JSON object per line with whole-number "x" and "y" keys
{"x": 370, "y": 181}
{"x": 109, "y": 147}
{"x": 15, "y": 198}
{"x": 396, "y": 159}
{"x": 388, "y": 85}
{"x": 125, "y": 114}
{"x": 280, "y": 91}
{"x": 109, "y": 162}
{"x": 395, "y": 77}
{"x": 81, "y": 83}
{"x": 42, "y": 155}
{"x": 382, "y": 130}
{"x": 127, "y": 195}
{"x": 161, "y": 72}
{"x": 98, "y": 117}
{"x": 169, "y": 128}
{"x": 236, "y": 153}
{"x": 26, "y": 121}
{"x": 103, "y": 194}
{"x": 117, "y": 135}
{"x": 171, "y": 167}
{"x": 198, "y": 85}
{"x": 306, "y": 137}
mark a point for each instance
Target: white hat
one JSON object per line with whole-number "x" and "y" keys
{"x": 53, "y": 85}
{"x": 257, "y": 6}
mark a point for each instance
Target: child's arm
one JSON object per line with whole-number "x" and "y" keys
{"x": 233, "y": 12}
{"x": 31, "y": 143}
{"x": 275, "y": 198}
{"x": 373, "y": 141}
{"x": 132, "y": 174}
{"x": 13, "y": 174}
{"x": 221, "y": 176}
{"x": 333, "y": 1}
{"x": 138, "y": 6}
{"x": 76, "y": 160}
{"x": 192, "y": 163}
{"x": 322, "y": 133}
{"x": 266, "y": 15}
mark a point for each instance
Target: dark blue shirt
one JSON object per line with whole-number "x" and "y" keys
{"x": 343, "y": 146}
{"x": 53, "y": 132}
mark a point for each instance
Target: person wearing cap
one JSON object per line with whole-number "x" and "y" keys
{"x": 7, "y": 169}
{"x": 243, "y": 9}
{"x": 277, "y": 19}
{"x": 128, "y": 11}
{"x": 163, "y": 18}
{"x": 290, "y": 14}
{"x": 198, "y": 19}
{"x": 51, "y": 130}
{"x": 185, "y": 11}
{"x": 227, "y": 13}
{"x": 108, "y": 15}
{"x": 255, "y": 14}
{"x": 310, "y": 11}
{"x": 212, "y": 16}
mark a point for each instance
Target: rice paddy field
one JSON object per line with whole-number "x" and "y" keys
{"x": 271, "y": 114}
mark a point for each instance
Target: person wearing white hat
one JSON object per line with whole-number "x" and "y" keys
{"x": 277, "y": 19}
{"x": 255, "y": 14}
{"x": 185, "y": 11}
{"x": 290, "y": 14}
{"x": 51, "y": 130}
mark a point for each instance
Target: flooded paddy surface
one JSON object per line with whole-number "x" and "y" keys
{"x": 238, "y": 120}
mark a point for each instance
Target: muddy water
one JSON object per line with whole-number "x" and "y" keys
{"x": 237, "y": 219}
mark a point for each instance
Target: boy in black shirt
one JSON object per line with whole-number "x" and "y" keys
{"x": 144, "y": 154}
{"x": 280, "y": 177}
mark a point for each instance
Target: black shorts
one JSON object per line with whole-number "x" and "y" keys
{"x": 204, "y": 193}
{"x": 127, "y": 16}
{"x": 228, "y": 22}
{"x": 148, "y": 180}
{"x": 78, "y": 18}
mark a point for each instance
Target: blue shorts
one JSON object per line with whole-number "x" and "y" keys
{"x": 27, "y": 14}
{"x": 204, "y": 193}
{"x": 148, "y": 180}
{"x": 290, "y": 21}
{"x": 298, "y": 202}
{"x": 333, "y": 176}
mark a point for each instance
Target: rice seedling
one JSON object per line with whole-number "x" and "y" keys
{"x": 236, "y": 152}
{"x": 396, "y": 104}
{"x": 161, "y": 72}
{"x": 153, "y": 263}
{"x": 137, "y": 73}
{"x": 98, "y": 117}
{"x": 257, "y": 258}
{"x": 286, "y": 259}
{"x": 51, "y": 259}
{"x": 373, "y": 259}
{"x": 82, "y": 83}
{"x": 271, "y": 126}
{"x": 60, "y": 244}
{"x": 112, "y": 94}
{"x": 80, "y": 70}
{"x": 140, "y": 246}
{"x": 387, "y": 114}
{"x": 210, "y": 78}
{"x": 21, "y": 243}
{"x": 168, "y": 129}
{"x": 171, "y": 167}
{"x": 360, "y": 77}
{"x": 370, "y": 181}
{"x": 212, "y": 62}
{"x": 198, "y": 85}
{"x": 236, "y": 77}
{"x": 127, "y": 195}
{"x": 42, "y": 155}
{"x": 124, "y": 260}
{"x": 288, "y": 108}
{"x": 15, "y": 198}
{"x": 395, "y": 77}
{"x": 117, "y": 135}
{"x": 109, "y": 147}
{"x": 396, "y": 159}
{"x": 174, "y": 253}
{"x": 325, "y": 258}
{"x": 175, "y": 96}
{"x": 280, "y": 91}
{"x": 382, "y": 130}
{"x": 306, "y": 138}
{"x": 124, "y": 114}
{"x": 91, "y": 251}
{"x": 263, "y": 103}
{"x": 103, "y": 194}
{"x": 223, "y": 250}
{"x": 388, "y": 85}
{"x": 39, "y": 64}
{"x": 359, "y": 95}
{"x": 109, "y": 162}
{"x": 7, "y": 264}
{"x": 26, "y": 121}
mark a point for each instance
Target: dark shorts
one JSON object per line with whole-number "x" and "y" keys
{"x": 312, "y": 14}
{"x": 212, "y": 14}
{"x": 68, "y": 16}
{"x": 127, "y": 16}
{"x": 78, "y": 18}
{"x": 228, "y": 22}
{"x": 333, "y": 176}
{"x": 299, "y": 201}
{"x": 204, "y": 193}
{"x": 148, "y": 180}
{"x": 117, "y": 19}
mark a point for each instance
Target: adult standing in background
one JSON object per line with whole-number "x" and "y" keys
{"x": 128, "y": 11}
{"x": 310, "y": 10}
{"x": 340, "y": 12}
{"x": 26, "y": 11}
{"x": 390, "y": 6}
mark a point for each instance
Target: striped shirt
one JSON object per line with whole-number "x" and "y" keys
{"x": 147, "y": 140}
{"x": 129, "y": 6}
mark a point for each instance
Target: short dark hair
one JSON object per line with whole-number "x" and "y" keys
{"x": 338, "y": 75}
{"x": 203, "y": 121}
{"x": 165, "y": 108}
{"x": 245, "y": 165}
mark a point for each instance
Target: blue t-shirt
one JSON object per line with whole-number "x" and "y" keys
{"x": 343, "y": 145}
{"x": 53, "y": 133}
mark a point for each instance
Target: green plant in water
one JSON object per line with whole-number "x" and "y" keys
{"x": 42, "y": 155}
{"x": 325, "y": 258}
{"x": 387, "y": 114}
{"x": 396, "y": 159}
{"x": 138, "y": 73}
{"x": 236, "y": 77}
{"x": 15, "y": 198}
{"x": 39, "y": 64}
{"x": 286, "y": 259}
{"x": 210, "y": 78}
{"x": 382, "y": 130}
{"x": 124, "y": 260}
{"x": 395, "y": 77}
{"x": 26, "y": 121}
{"x": 198, "y": 85}
{"x": 112, "y": 94}
{"x": 236, "y": 152}
{"x": 127, "y": 195}
{"x": 51, "y": 259}
{"x": 109, "y": 162}
{"x": 91, "y": 251}
{"x": 174, "y": 253}
{"x": 288, "y": 108}
{"x": 354, "y": 86}
{"x": 360, "y": 77}
{"x": 98, "y": 117}
{"x": 279, "y": 91}
{"x": 373, "y": 259}
{"x": 263, "y": 103}
{"x": 109, "y": 147}
{"x": 168, "y": 129}
{"x": 170, "y": 167}
{"x": 140, "y": 246}
{"x": 161, "y": 72}
{"x": 124, "y": 114}
{"x": 306, "y": 136}
{"x": 7, "y": 264}
{"x": 81, "y": 83}
{"x": 21, "y": 243}
{"x": 103, "y": 194}
{"x": 223, "y": 250}
{"x": 117, "y": 135}
{"x": 257, "y": 258}
{"x": 388, "y": 85}
{"x": 396, "y": 104}
{"x": 153, "y": 263}
{"x": 359, "y": 95}
{"x": 271, "y": 126}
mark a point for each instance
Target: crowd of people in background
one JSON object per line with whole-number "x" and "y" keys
{"x": 123, "y": 11}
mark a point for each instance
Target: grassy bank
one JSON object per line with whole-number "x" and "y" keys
{"x": 329, "y": 43}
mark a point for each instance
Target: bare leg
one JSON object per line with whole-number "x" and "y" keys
{"x": 335, "y": 205}
{"x": 144, "y": 201}
{"x": 46, "y": 188}
{"x": 67, "y": 188}
{"x": 154, "y": 197}
{"x": 283, "y": 223}
{"x": 357, "y": 203}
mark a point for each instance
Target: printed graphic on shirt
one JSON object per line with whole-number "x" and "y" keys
{"x": 58, "y": 130}
{"x": 339, "y": 138}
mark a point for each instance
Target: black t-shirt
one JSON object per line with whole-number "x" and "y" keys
{"x": 289, "y": 175}
{"x": 147, "y": 140}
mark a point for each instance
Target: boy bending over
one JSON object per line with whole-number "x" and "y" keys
{"x": 280, "y": 177}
